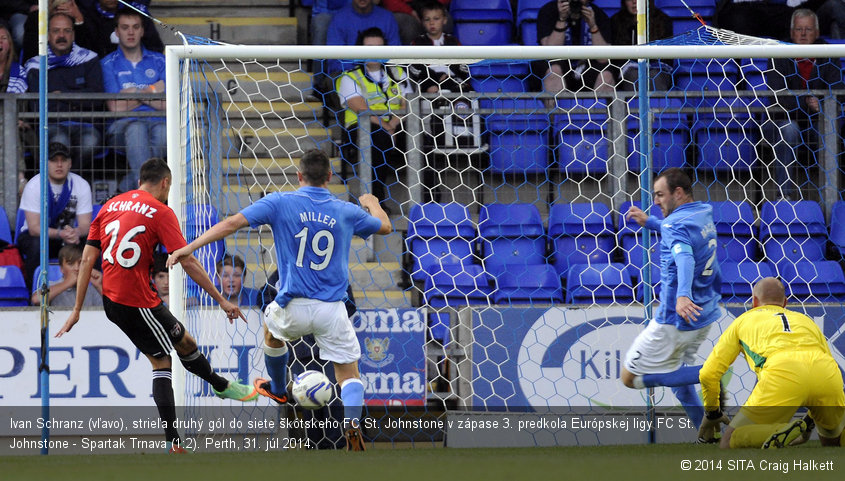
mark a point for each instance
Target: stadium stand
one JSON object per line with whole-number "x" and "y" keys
{"x": 438, "y": 234}
{"x": 528, "y": 284}
{"x": 511, "y": 236}
{"x": 739, "y": 277}
{"x": 582, "y": 147}
{"x": 54, "y": 274}
{"x": 13, "y": 290}
{"x": 482, "y": 22}
{"x": 670, "y": 134}
{"x": 792, "y": 231}
{"x": 580, "y": 233}
{"x": 5, "y": 228}
{"x": 455, "y": 285}
{"x": 821, "y": 281}
{"x": 837, "y": 227}
{"x": 629, "y": 239}
{"x": 518, "y": 141}
{"x": 735, "y": 230}
{"x": 526, "y": 20}
{"x": 599, "y": 283}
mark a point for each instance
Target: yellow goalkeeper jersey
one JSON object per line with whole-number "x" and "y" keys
{"x": 760, "y": 334}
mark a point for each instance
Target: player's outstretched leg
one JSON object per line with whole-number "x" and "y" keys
{"x": 352, "y": 396}
{"x": 276, "y": 362}
{"x": 691, "y": 402}
{"x": 196, "y": 363}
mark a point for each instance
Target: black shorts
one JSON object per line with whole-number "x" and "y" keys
{"x": 153, "y": 330}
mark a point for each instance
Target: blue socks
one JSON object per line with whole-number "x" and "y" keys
{"x": 352, "y": 395}
{"x": 276, "y": 363}
{"x": 691, "y": 403}
{"x": 681, "y": 377}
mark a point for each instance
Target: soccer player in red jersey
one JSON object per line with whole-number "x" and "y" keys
{"x": 127, "y": 231}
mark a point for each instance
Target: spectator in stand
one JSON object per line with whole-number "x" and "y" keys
{"x": 71, "y": 69}
{"x": 373, "y": 86}
{"x": 558, "y": 23}
{"x": 436, "y": 78}
{"x": 796, "y": 122}
{"x": 408, "y": 15}
{"x": 230, "y": 272}
{"x": 15, "y": 13}
{"x": 69, "y": 215}
{"x": 348, "y": 23}
{"x": 623, "y": 24}
{"x": 63, "y": 291}
{"x": 134, "y": 69}
{"x": 99, "y": 25}
{"x": 12, "y": 79}
{"x": 161, "y": 278}
{"x": 67, "y": 7}
{"x": 322, "y": 13}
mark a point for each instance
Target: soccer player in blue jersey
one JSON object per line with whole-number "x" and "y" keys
{"x": 312, "y": 231}
{"x": 689, "y": 297}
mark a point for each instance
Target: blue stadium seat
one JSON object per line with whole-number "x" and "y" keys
{"x": 725, "y": 142}
{"x": 54, "y": 274}
{"x": 511, "y": 234}
{"x": 528, "y": 284}
{"x": 814, "y": 281}
{"x": 500, "y": 76}
{"x": 526, "y": 20}
{"x": 439, "y": 324}
{"x": 95, "y": 209}
{"x": 837, "y": 226}
{"x": 735, "y": 232}
{"x": 452, "y": 285}
{"x": 438, "y": 234}
{"x": 518, "y": 141}
{"x": 599, "y": 283}
{"x": 753, "y": 73}
{"x": 581, "y": 144}
{"x": 581, "y": 233}
{"x": 5, "y": 228}
{"x": 674, "y": 8}
{"x": 629, "y": 239}
{"x": 738, "y": 278}
{"x": 482, "y": 22}
{"x": 792, "y": 231}
{"x": 707, "y": 75}
{"x": 13, "y": 290}
{"x": 610, "y": 7}
{"x": 639, "y": 284}
{"x": 670, "y": 134}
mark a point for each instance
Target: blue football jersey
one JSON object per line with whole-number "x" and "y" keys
{"x": 313, "y": 232}
{"x": 689, "y": 230}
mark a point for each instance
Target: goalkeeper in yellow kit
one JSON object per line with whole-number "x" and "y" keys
{"x": 794, "y": 368}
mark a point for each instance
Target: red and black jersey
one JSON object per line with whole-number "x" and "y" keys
{"x": 127, "y": 230}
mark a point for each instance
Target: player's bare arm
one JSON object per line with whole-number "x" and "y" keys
{"x": 370, "y": 202}
{"x": 218, "y": 231}
{"x": 637, "y": 215}
{"x": 195, "y": 270}
{"x": 89, "y": 257}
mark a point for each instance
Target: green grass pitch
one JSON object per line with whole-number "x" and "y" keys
{"x": 647, "y": 462}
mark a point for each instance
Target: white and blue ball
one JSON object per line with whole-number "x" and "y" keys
{"x": 312, "y": 389}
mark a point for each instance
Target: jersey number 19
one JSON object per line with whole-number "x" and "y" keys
{"x": 324, "y": 252}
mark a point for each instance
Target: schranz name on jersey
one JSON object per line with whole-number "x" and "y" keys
{"x": 134, "y": 206}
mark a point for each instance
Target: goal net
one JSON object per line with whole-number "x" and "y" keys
{"x": 513, "y": 285}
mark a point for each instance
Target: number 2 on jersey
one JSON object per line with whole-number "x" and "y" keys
{"x": 324, "y": 252}
{"x": 125, "y": 245}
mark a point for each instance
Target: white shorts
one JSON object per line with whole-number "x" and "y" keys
{"x": 327, "y": 321}
{"x": 662, "y": 348}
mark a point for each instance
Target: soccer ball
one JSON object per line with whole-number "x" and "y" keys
{"x": 312, "y": 389}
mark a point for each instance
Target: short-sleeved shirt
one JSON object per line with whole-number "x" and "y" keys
{"x": 127, "y": 230}
{"x": 79, "y": 202}
{"x": 120, "y": 74}
{"x": 313, "y": 232}
{"x": 68, "y": 297}
{"x": 689, "y": 229}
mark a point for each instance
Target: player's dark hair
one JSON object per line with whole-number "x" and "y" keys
{"x": 675, "y": 178}
{"x": 126, "y": 12}
{"x": 153, "y": 170}
{"x": 431, "y": 5}
{"x": 315, "y": 167}
{"x": 231, "y": 260}
{"x": 159, "y": 262}
{"x": 370, "y": 32}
